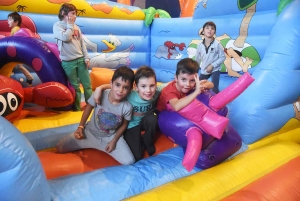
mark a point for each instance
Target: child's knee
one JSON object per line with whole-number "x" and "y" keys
{"x": 130, "y": 160}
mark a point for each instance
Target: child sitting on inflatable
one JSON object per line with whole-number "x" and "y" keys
{"x": 14, "y": 22}
{"x": 143, "y": 100}
{"x": 108, "y": 122}
{"x": 179, "y": 94}
{"x": 186, "y": 79}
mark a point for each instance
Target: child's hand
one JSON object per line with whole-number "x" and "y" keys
{"x": 110, "y": 146}
{"x": 79, "y": 134}
{"x": 97, "y": 95}
{"x": 203, "y": 86}
{"x": 209, "y": 69}
{"x": 87, "y": 63}
{"x": 198, "y": 84}
{"x": 71, "y": 19}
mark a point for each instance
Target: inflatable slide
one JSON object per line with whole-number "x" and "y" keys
{"x": 260, "y": 38}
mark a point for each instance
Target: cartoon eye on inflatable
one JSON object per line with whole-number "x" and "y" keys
{"x": 12, "y": 101}
{"x": 3, "y": 105}
{"x": 9, "y": 103}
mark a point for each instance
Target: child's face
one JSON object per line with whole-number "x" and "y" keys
{"x": 209, "y": 31}
{"x": 146, "y": 88}
{"x": 71, "y": 14}
{"x": 119, "y": 89}
{"x": 11, "y": 22}
{"x": 185, "y": 82}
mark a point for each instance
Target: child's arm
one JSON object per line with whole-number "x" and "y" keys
{"x": 178, "y": 104}
{"x": 219, "y": 61}
{"x": 98, "y": 92}
{"x": 112, "y": 144}
{"x": 84, "y": 50}
{"x": 205, "y": 84}
{"x": 62, "y": 34}
{"x": 86, "y": 113}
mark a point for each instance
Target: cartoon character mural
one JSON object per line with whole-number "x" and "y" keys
{"x": 169, "y": 51}
{"x": 240, "y": 55}
{"x": 115, "y": 59}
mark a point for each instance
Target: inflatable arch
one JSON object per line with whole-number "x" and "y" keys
{"x": 35, "y": 53}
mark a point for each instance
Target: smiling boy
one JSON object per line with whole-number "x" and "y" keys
{"x": 186, "y": 80}
{"x": 108, "y": 122}
{"x": 143, "y": 99}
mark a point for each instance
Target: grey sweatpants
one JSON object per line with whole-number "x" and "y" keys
{"x": 122, "y": 153}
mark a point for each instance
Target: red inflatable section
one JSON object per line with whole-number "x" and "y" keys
{"x": 57, "y": 165}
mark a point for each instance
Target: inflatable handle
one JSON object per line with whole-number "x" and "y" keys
{"x": 209, "y": 121}
{"x": 221, "y": 99}
{"x": 26, "y": 33}
{"x": 194, "y": 145}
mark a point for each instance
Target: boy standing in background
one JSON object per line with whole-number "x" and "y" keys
{"x": 73, "y": 52}
{"x": 210, "y": 52}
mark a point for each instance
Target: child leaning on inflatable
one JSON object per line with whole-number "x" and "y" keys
{"x": 143, "y": 99}
{"x": 186, "y": 80}
{"x": 108, "y": 122}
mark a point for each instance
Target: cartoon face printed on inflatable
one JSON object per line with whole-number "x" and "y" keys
{"x": 48, "y": 94}
{"x": 11, "y": 98}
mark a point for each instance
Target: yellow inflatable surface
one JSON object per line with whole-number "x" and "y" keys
{"x": 104, "y": 9}
{"x": 222, "y": 180}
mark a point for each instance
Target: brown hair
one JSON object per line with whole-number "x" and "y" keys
{"x": 209, "y": 23}
{"x": 65, "y": 9}
{"x": 16, "y": 17}
{"x": 187, "y": 65}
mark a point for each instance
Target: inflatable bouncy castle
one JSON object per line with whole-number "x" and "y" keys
{"x": 258, "y": 155}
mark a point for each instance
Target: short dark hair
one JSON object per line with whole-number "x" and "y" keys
{"x": 125, "y": 73}
{"x": 65, "y": 9}
{"x": 16, "y": 17}
{"x": 187, "y": 65}
{"x": 210, "y": 23}
{"x": 144, "y": 72}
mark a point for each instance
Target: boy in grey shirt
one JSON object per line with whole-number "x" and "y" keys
{"x": 108, "y": 122}
{"x": 210, "y": 54}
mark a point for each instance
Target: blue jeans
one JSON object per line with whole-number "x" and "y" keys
{"x": 215, "y": 77}
{"x": 77, "y": 69}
